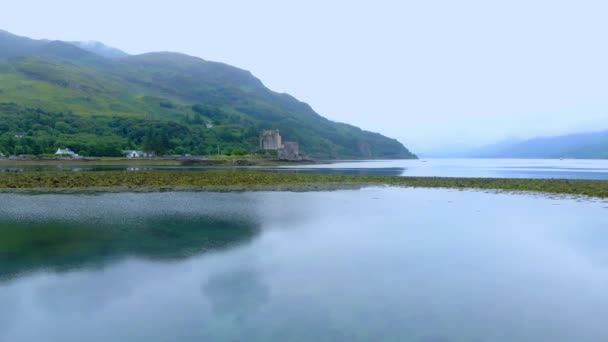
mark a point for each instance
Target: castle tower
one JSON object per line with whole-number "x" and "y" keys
{"x": 271, "y": 140}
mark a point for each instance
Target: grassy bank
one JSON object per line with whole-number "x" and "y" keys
{"x": 91, "y": 161}
{"x": 155, "y": 162}
{"x": 244, "y": 180}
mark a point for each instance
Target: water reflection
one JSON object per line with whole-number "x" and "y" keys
{"x": 495, "y": 168}
{"x": 237, "y": 293}
{"x": 54, "y": 235}
{"x": 377, "y": 264}
{"x": 389, "y": 171}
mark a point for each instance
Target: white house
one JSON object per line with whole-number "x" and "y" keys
{"x": 66, "y": 151}
{"x": 136, "y": 154}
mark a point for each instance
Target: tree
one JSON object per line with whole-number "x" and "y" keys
{"x": 157, "y": 141}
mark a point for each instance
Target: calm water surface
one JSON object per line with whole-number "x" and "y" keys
{"x": 377, "y": 264}
{"x": 494, "y": 168}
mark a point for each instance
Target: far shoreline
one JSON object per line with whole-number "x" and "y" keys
{"x": 177, "y": 161}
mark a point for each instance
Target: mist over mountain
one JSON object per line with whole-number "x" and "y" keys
{"x": 101, "y": 49}
{"x": 592, "y": 145}
{"x": 99, "y": 100}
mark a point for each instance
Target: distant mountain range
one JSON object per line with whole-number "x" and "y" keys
{"x": 581, "y": 146}
{"x": 98, "y": 100}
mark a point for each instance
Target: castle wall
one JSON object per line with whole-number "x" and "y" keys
{"x": 270, "y": 140}
{"x": 290, "y": 151}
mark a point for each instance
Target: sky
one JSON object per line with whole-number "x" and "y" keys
{"x": 436, "y": 75}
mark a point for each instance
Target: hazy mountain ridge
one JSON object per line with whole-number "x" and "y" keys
{"x": 13, "y": 45}
{"x": 593, "y": 145}
{"x": 95, "y": 80}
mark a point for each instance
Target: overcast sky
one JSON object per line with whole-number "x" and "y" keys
{"x": 429, "y": 73}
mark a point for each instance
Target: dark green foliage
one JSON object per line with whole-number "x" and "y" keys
{"x": 122, "y": 99}
{"x": 157, "y": 140}
{"x": 104, "y": 136}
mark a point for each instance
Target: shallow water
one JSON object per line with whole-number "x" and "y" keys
{"x": 353, "y": 265}
{"x": 493, "y": 168}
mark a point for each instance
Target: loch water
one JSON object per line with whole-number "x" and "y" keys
{"x": 374, "y": 264}
{"x": 489, "y": 168}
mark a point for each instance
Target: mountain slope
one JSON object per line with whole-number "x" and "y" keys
{"x": 12, "y": 45}
{"x": 161, "y": 91}
{"x": 582, "y": 145}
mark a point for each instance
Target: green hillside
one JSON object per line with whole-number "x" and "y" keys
{"x": 61, "y": 95}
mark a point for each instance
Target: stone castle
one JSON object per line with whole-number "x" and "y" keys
{"x": 271, "y": 140}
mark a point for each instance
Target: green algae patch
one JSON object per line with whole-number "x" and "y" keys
{"x": 243, "y": 180}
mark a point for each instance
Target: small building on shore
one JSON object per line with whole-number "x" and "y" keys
{"x": 66, "y": 152}
{"x": 137, "y": 154}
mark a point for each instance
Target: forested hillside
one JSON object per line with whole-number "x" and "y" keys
{"x": 97, "y": 101}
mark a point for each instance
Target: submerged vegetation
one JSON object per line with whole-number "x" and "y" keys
{"x": 251, "y": 180}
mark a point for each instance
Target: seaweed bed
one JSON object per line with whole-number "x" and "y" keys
{"x": 241, "y": 180}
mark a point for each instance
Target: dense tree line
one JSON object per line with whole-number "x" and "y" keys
{"x": 26, "y": 131}
{"x": 200, "y": 130}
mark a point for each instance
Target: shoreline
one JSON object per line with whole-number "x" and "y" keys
{"x": 160, "y": 162}
{"x": 241, "y": 180}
